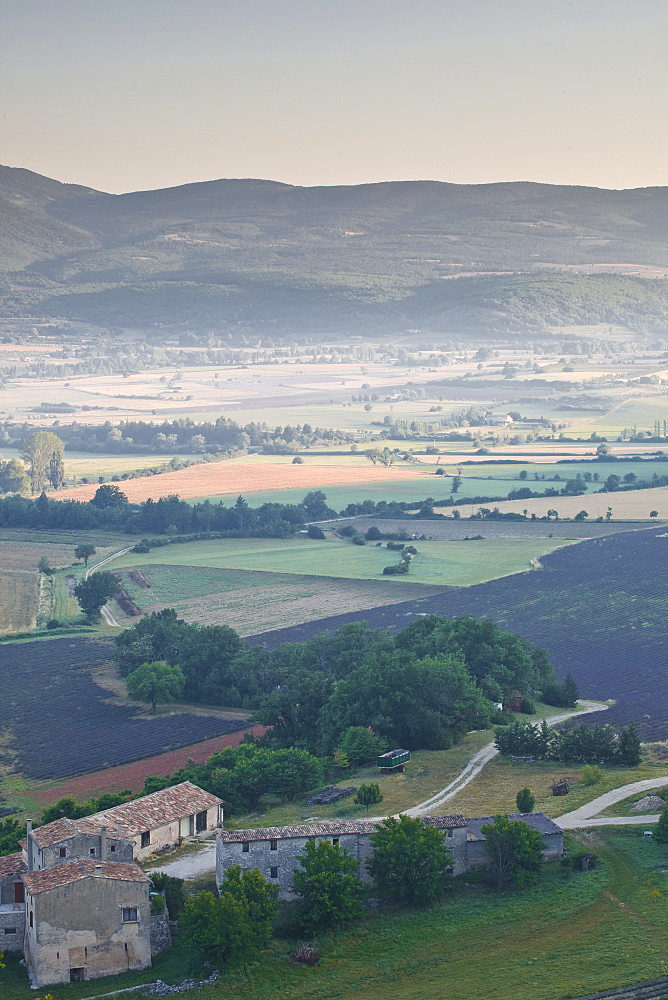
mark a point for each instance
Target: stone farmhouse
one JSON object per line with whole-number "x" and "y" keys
{"x": 275, "y": 850}
{"x": 75, "y": 901}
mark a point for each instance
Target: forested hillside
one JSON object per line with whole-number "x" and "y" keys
{"x": 268, "y": 257}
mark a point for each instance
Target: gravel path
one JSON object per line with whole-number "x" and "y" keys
{"x": 587, "y": 815}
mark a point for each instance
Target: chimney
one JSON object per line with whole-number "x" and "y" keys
{"x": 103, "y": 843}
{"x": 31, "y": 862}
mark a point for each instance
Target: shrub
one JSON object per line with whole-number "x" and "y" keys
{"x": 358, "y": 539}
{"x": 297, "y": 460}
{"x": 396, "y": 546}
{"x": 528, "y": 707}
{"x": 157, "y": 905}
{"x": 398, "y": 570}
{"x": 591, "y": 774}
{"x": 315, "y": 532}
{"x": 525, "y": 801}
{"x": 373, "y": 534}
{"x": 53, "y": 623}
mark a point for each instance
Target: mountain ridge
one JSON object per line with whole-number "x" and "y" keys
{"x": 267, "y": 255}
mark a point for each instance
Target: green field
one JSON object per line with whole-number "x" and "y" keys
{"x": 441, "y": 563}
{"x": 90, "y": 465}
{"x": 569, "y": 936}
{"x": 640, "y": 412}
{"x": 251, "y": 602}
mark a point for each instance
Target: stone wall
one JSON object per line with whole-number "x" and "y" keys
{"x": 12, "y": 928}
{"x": 161, "y": 938}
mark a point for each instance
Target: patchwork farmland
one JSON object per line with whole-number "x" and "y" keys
{"x": 599, "y": 608}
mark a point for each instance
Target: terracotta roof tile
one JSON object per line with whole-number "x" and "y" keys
{"x": 157, "y": 809}
{"x": 80, "y": 868}
{"x": 327, "y": 829}
{"x": 12, "y": 864}
{"x": 146, "y": 813}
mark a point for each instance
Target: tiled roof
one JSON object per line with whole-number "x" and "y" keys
{"x": 147, "y": 813}
{"x": 327, "y": 829}
{"x": 538, "y": 821}
{"x": 55, "y": 832}
{"x": 80, "y": 868}
{"x": 12, "y": 864}
{"x": 157, "y": 809}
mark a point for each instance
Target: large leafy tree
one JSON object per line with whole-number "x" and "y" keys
{"x": 515, "y": 851}
{"x": 360, "y": 744}
{"x": 423, "y": 703}
{"x": 93, "y": 593}
{"x": 257, "y": 896}
{"x": 499, "y": 660}
{"x": 38, "y": 451}
{"x": 661, "y": 832}
{"x": 108, "y": 495}
{"x": 328, "y": 888}
{"x": 410, "y": 860}
{"x": 84, "y": 551}
{"x": 217, "y": 929}
{"x": 10, "y": 831}
{"x": 13, "y": 477}
{"x": 156, "y": 682}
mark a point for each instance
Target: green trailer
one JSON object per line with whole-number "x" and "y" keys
{"x": 394, "y": 760}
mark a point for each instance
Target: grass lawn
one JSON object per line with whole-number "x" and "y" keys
{"x": 569, "y": 936}
{"x": 427, "y": 772}
{"x": 443, "y": 563}
{"x": 493, "y": 791}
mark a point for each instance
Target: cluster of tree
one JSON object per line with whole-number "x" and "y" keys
{"x": 563, "y": 695}
{"x": 109, "y": 509}
{"x": 597, "y": 745}
{"x": 234, "y": 926}
{"x": 422, "y": 687}
{"x": 179, "y": 436}
{"x": 242, "y": 775}
{"x": 68, "y": 806}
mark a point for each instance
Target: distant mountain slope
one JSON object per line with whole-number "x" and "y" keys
{"x": 271, "y": 256}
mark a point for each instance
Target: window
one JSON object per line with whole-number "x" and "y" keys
{"x": 146, "y": 838}
{"x": 245, "y": 847}
{"x": 31, "y": 918}
{"x": 130, "y": 915}
{"x": 201, "y": 821}
{"x": 448, "y": 833}
{"x": 10, "y": 930}
{"x": 274, "y": 873}
{"x": 92, "y": 851}
{"x": 62, "y": 852}
{"x": 77, "y": 975}
{"x": 273, "y": 845}
{"x": 113, "y": 848}
{"x": 335, "y": 841}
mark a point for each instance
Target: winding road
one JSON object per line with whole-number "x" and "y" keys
{"x": 588, "y": 814}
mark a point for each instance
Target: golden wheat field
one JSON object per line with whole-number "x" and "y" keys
{"x": 243, "y": 476}
{"x": 630, "y": 505}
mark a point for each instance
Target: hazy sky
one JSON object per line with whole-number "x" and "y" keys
{"x": 132, "y": 94}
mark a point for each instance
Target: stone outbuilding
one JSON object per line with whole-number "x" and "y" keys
{"x": 86, "y": 918}
{"x": 551, "y": 835}
{"x": 275, "y": 850}
{"x": 128, "y": 832}
{"x": 12, "y": 902}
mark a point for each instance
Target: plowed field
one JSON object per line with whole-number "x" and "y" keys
{"x": 243, "y": 476}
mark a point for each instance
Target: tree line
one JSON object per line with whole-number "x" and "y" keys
{"x": 109, "y": 509}
{"x": 597, "y": 745}
{"x": 422, "y": 688}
